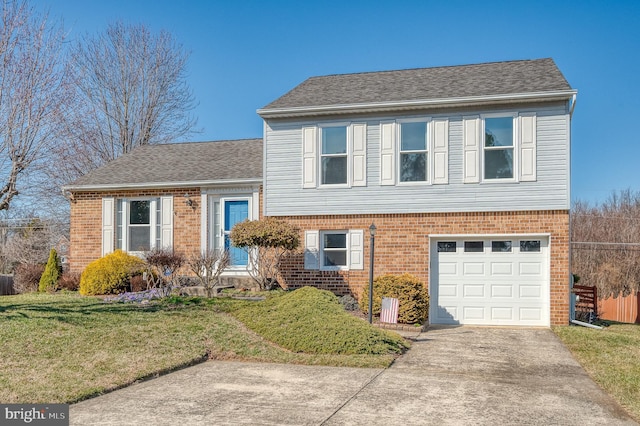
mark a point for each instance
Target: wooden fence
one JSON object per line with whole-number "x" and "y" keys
{"x": 6, "y": 285}
{"x": 621, "y": 308}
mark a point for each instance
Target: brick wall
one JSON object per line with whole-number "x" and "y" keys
{"x": 402, "y": 245}
{"x": 86, "y": 222}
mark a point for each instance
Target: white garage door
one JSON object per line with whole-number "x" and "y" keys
{"x": 490, "y": 281}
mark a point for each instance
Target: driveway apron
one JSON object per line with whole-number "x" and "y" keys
{"x": 451, "y": 375}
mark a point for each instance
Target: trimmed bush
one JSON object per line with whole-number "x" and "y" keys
{"x": 53, "y": 270}
{"x": 27, "y": 277}
{"x": 110, "y": 274}
{"x": 411, "y": 293}
{"x": 313, "y": 321}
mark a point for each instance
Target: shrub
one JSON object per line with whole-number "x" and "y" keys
{"x": 412, "y": 295}
{"x": 69, "y": 281}
{"x": 269, "y": 240}
{"x": 349, "y": 303}
{"x": 53, "y": 270}
{"x": 310, "y": 320}
{"x": 26, "y": 277}
{"x": 208, "y": 265}
{"x": 110, "y": 274}
{"x": 163, "y": 266}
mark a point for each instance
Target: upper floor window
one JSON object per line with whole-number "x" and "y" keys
{"x": 333, "y": 157}
{"x": 414, "y": 151}
{"x": 498, "y": 148}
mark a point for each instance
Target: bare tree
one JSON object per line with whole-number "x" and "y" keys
{"x": 31, "y": 92}
{"x": 208, "y": 266}
{"x": 131, "y": 90}
{"x": 606, "y": 243}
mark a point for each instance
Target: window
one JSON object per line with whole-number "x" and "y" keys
{"x": 498, "y": 148}
{"x": 138, "y": 225}
{"x": 528, "y": 246}
{"x": 334, "y": 157}
{"x": 446, "y": 247}
{"x": 473, "y": 246}
{"x": 501, "y": 246}
{"x": 413, "y": 151}
{"x": 334, "y": 249}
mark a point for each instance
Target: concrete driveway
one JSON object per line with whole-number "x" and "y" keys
{"x": 451, "y": 375}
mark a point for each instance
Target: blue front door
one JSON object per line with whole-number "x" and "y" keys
{"x": 234, "y": 212}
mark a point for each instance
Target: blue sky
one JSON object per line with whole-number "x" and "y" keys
{"x": 244, "y": 54}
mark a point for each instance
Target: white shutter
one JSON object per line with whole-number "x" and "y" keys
{"x": 356, "y": 249}
{"x": 166, "y": 222}
{"x": 440, "y": 151}
{"x": 359, "y": 132}
{"x": 471, "y": 149}
{"x": 387, "y": 153}
{"x": 311, "y": 250}
{"x": 527, "y": 147}
{"x": 309, "y": 157}
{"x": 108, "y": 225}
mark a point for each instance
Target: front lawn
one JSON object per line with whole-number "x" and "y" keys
{"x": 65, "y": 347}
{"x": 611, "y": 357}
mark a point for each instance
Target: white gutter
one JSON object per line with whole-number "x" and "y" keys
{"x": 573, "y": 104}
{"x": 415, "y": 104}
{"x": 148, "y": 185}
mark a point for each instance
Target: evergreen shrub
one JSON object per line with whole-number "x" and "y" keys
{"x": 110, "y": 274}
{"x": 53, "y": 270}
{"x": 412, "y": 295}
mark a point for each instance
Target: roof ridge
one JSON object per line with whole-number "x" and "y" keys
{"x": 431, "y": 68}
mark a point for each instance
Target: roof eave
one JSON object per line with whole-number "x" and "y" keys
{"x": 373, "y": 107}
{"x": 160, "y": 185}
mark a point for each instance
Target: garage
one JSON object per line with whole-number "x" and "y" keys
{"x": 489, "y": 280}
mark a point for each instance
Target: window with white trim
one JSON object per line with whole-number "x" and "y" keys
{"x": 333, "y": 250}
{"x": 138, "y": 224}
{"x": 414, "y": 151}
{"x": 499, "y": 144}
{"x": 333, "y": 155}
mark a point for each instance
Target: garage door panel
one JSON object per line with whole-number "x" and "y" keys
{"x": 473, "y": 290}
{"x": 473, "y": 268}
{"x": 531, "y": 269}
{"x": 502, "y": 268}
{"x": 492, "y": 287}
{"x": 473, "y": 313}
{"x": 502, "y": 314}
{"x": 530, "y": 291}
{"x": 499, "y": 291}
{"x": 448, "y": 268}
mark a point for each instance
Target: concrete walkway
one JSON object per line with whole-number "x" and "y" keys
{"x": 460, "y": 375}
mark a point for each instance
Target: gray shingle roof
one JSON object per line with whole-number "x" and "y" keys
{"x": 178, "y": 163}
{"x": 496, "y": 78}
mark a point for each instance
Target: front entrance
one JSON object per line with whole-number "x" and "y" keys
{"x": 224, "y": 214}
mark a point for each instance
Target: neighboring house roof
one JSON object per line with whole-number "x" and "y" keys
{"x": 421, "y": 87}
{"x": 179, "y": 164}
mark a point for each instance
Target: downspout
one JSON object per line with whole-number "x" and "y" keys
{"x": 573, "y": 104}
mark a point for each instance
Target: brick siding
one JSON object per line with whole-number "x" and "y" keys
{"x": 402, "y": 245}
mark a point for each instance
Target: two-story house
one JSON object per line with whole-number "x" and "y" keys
{"x": 464, "y": 170}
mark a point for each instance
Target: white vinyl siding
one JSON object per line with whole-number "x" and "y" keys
{"x": 284, "y": 196}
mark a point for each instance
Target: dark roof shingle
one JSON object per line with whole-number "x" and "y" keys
{"x": 180, "y": 163}
{"x": 496, "y": 78}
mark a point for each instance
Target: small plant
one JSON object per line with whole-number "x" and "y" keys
{"x": 53, "y": 270}
{"x": 412, "y": 295}
{"x": 69, "y": 281}
{"x": 349, "y": 303}
{"x": 266, "y": 241}
{"x": 208, "y": 265}
{"x": 110, "y": 274}
{"x": 163, "y": 267}
{"x": 26, "y": 277}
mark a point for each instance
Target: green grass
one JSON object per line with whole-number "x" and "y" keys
{"x": 611, "y": 357}
{"x": 313, "y": 321}
{"x": 65, "y": 347}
